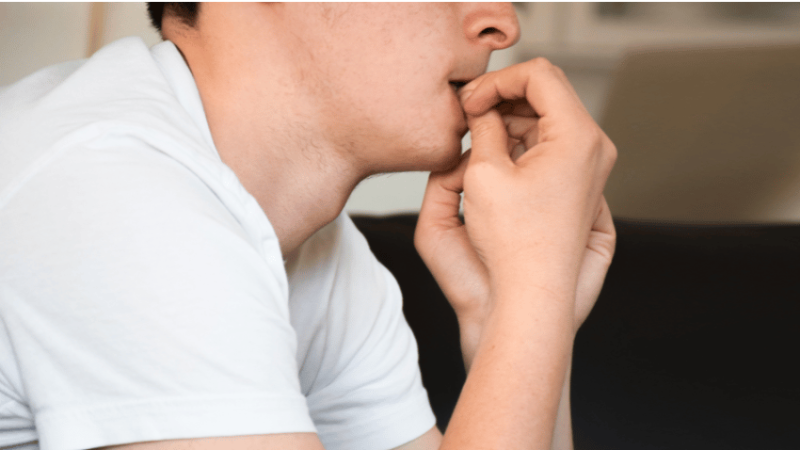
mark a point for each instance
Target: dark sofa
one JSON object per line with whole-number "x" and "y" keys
{"x": 693, "y": 343}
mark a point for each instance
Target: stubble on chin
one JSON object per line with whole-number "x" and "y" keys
{"x": 446, "y": 159}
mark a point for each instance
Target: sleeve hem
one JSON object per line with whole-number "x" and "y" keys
{"x": 75, "y": 429}
{"x": 384, "y": 430}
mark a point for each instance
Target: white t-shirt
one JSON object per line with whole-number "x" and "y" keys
{"x": 143, "y": 295}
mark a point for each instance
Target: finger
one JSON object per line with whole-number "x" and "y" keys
{"x": 512, "y": 143}
{"x": 604, "y": 223}
{"x": 442, "y": 199}
{"x": 516, "y": 148}
{"x": 517, "y": 151}
{"x": 538, "y": 81}
{"x": 525, "y": 131}
{"x": 563, "y": 76}
{"x": 489, "y": 137}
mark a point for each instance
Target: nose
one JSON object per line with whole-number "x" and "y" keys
{"x": 494, "y": 25}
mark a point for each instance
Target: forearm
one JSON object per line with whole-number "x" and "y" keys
{"x": 513, "y": 389}
{"x": 537, "y": 235}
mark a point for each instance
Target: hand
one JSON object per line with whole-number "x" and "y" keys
{"x": 530, "y": 219}
{"x": 521, "y": 125}
{"x": 596, "y": 259}
{"x": 523, "y": 211}
{"x": 443, "y": 243}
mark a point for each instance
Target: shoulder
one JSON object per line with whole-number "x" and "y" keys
{"x": 117, "y": 205}
{"x": 109, "y": 138}
{"x": 116, "y": 71}
{"x": 115, "y": 98}
{"x": 357, "y": 355}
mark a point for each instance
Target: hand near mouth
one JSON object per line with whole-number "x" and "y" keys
{"x": 525, "y": 268}
{"x": 550, "y": 194}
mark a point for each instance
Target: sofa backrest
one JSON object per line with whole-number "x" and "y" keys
{"x": 692, "y": 344}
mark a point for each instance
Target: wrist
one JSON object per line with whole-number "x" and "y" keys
{"x": 555, "y": 271}
{"x": 534, "y": 307}
{"x": 470, "y": 327}
{"x": 520, "y": 285}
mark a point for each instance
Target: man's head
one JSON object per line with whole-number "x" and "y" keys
{"x": 374, "y": 82}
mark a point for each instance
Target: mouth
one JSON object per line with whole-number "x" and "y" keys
{"x": 458, "y": 84}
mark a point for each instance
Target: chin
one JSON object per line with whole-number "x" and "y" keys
{"x": 448, "y": 161}
{"x": 427, "y": 155}
{"x": 441, "y": 148}
{"x": 442, "y": 158}
{"x": 428, "y": 161}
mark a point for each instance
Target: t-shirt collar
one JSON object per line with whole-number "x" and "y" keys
{"x": 180, "y": 79}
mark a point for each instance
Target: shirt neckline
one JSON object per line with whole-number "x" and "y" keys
{"x": 178, "y": 75}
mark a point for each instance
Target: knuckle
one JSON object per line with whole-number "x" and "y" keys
{"x": 612, "y": 152}
{"x": 541, "y": 63}
{"x": 595, "y": 146}
{"x": 607, "y": 147}
{"x": 592, "y": 136}
{"x": 599, "y": 137}
{"x": 539, "y": 66}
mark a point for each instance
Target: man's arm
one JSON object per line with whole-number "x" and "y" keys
{"x": 428, "y": 441}
{"x": 302, "y": 441}
{"x": 557, "y": 133}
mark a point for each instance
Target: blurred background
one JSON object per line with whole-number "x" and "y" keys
{"x": 702, "y": 99}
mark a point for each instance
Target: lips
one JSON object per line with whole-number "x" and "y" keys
{"x": 456, "y": 85}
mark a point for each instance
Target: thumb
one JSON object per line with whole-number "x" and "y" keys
{"x": 443, "y": 196}
{"x": 489, "y": 137}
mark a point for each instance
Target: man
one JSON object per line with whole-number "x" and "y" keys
{"x": 177, "y": 271}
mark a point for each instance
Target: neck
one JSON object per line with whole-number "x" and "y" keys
{"x": 267, "y": 130}
{"x": 299, "y": 181}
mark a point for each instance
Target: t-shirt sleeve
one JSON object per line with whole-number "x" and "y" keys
{"x": 361, "y": 375}
{"x": 139, "y": 308}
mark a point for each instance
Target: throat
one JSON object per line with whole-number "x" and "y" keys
{"x": 299, "y": 192}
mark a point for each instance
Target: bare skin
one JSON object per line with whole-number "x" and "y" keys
{"x": 518, "y": 316}
{"x": 301, "y": 118}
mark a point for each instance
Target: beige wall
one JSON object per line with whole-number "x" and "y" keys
{"x": 35, "y": 35}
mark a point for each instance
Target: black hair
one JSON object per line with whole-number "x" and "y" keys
{"x": 185, "y": 12}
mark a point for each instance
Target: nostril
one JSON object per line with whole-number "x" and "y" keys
{"x": 497, "y": 37}
{"x": 489, "y": 31}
